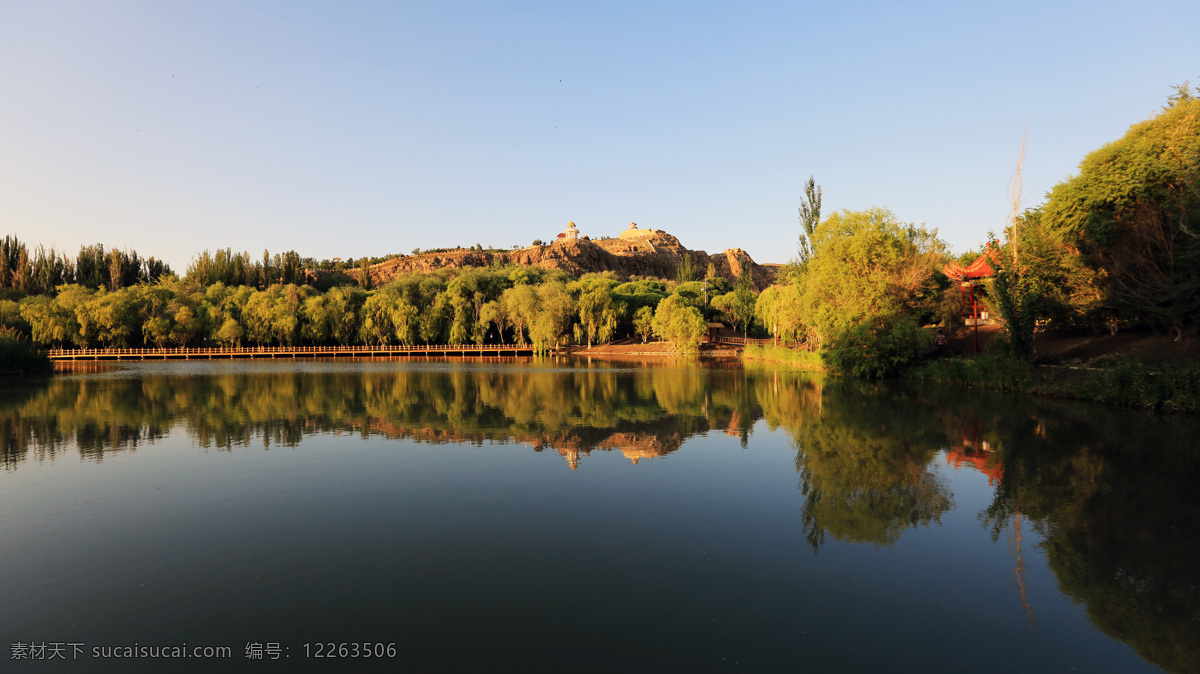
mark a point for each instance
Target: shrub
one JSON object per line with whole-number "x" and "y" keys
{"x": 801, "y": 358}
{"x": 877, "y": 347}
{"x": 1133, "y": 384}
{"x": 17, "y": 355}
{"x": 993, "y": 370}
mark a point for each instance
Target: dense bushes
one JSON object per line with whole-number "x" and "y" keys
{"x": 19, "y": 356}
{"x": 801, "y": 358}
{"x": 877, "y": 347}
{"x": 1129, "y": 383}
{"x": 993, "y": 370}
{"x": 492, "y": 305}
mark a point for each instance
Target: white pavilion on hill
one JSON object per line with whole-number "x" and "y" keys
{"x": 571, "y": 233}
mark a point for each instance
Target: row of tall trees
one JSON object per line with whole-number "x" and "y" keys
{"x": 232, "y": 269}
{"x": 476, "y": 305}
{"x": 42, "y": 270}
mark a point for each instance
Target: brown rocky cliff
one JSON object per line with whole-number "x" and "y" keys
{"x": 653, "y": 254}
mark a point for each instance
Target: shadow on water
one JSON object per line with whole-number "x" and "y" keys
{"x": 1110, "y": 494}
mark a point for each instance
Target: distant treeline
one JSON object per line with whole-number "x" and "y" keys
{"x": 44, "y": 270}
{"x": 219, "y": 303}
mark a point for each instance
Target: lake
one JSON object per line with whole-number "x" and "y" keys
{"x": 556, "y": 515}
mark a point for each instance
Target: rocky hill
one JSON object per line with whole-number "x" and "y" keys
{"x": 648, "y": 252}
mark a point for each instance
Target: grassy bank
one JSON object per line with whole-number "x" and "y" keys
{"x": 806, "y": 360}
{"x": 19, "y": 357}
{"x": 1116, "y": 381}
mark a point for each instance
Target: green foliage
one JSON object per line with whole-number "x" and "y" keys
{"x": 681, "y": 323}
{"x": 778, "y": 308}
{"x": 868, "y": 264}
{"x": 800, "y": 358}
{"x": 520, "y": 306}
{"x": 686, "y": 270}
{"x": 741, "y": 305}
{"x": 552, "y": 316}
{"x": 19, "y": 356}
{"x": 42, "y": 270}
{"x": 691, "y": 292}
{"x": 997, "y": 371}
{"x": 641, "y": 293}
{"x": 599, "y": 311}
{"x": 1133, "y": 213}
{"x": 364, "y": 275}
{"x": 810, "y": 217}
{"x": 1019, "y": 298}
{"x": 643, "y": 322}
{"x": 879, "y": 346}
{"x": 1129, "y": 383}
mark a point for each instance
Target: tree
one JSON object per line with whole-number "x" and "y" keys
{"x": 643, "y": 322}
{"x": 316, "y": 326}
{"x": 868, "y": 263}
{"x": 742, "y": 304}
{"x": 686, "y": 270}
{"x": 598, "y": 311}
{"x": 116, "y": 316}
{"x": 404, "y": 317}
{"x": 520, "y": 304}
{"x": 810, "y": 217}
{"x": 344, "y": 304}
{"x": 494, "y": 313}
{"x": 553, "y": 315}
{"x": 723, "y": 305}
{"x": 1133, "y": 213}
{"x": 364, "y": 275}
{"x": 778, "y": 309}
{"x": 377, "y": 326}
{"x": 1017, "y": 292}
{"x": 680, "y": 323}
{"x": 50, "y": 323}
{"x": 230, "y": 333}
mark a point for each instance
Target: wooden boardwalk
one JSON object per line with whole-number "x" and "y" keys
{"x": 747, "y": 341}
{"x": 229, "y": 353}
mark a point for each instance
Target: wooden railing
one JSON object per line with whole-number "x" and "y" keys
{"x": 743, "y": 341}
{"x": 285, "y": 351}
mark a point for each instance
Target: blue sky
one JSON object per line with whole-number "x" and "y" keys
{"x": 350, "y": 129}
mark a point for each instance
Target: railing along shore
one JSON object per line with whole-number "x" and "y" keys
{"x": 185, "y": 353}
{"x": 746, "y": 341}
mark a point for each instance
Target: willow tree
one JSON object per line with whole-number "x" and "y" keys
{"x": 868, "y": 264}
{"x": 598, "y": 310}
{"x": 680, "y": 323}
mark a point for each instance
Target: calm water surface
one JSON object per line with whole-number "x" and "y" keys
{"x": 546, "y": 516}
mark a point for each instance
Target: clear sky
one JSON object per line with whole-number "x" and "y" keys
{"x": 350, "y": 129}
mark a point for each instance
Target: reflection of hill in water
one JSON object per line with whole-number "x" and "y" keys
{"x": 1111, "y": 494}
{"x": 642, "y": 413}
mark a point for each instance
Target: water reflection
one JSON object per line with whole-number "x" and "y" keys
{"x": 643, "y": 413}
{"x": 1110, "y": 496}
{"x": 864, "y": 464}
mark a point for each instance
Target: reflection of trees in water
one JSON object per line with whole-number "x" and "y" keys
{"x": 1112, "y": 494}
{"x": 643, "y": 413}
{"x": 863, "y": 459}
{"x": 1113, "y": 497}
